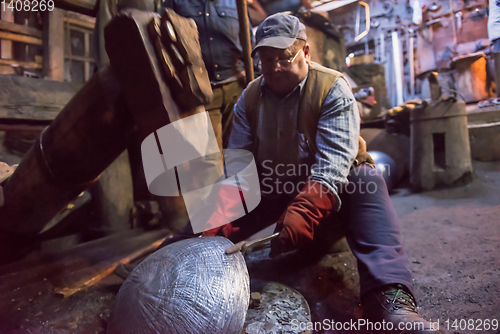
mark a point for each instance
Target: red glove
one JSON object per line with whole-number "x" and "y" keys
{"x": 227, "y": 206}
{"x": 302, "y": 216}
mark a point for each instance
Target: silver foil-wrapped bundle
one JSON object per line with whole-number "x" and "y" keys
{"x": 190, "y": 286}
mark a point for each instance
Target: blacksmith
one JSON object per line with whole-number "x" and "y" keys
{"x": 299, "y": 112}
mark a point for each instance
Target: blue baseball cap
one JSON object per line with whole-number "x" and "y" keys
{"x": 279, "y": 31}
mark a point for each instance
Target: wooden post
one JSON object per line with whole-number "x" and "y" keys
{"x": 246, "y": 42}
{"x": 6, "y": 46}
{"x": 53, "y": 45}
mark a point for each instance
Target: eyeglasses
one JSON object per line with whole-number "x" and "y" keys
{"x": 285, "y": 64}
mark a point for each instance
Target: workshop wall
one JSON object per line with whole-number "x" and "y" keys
{"x": 438, "y": 29}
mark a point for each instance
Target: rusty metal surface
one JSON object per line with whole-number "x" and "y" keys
{"x": 329, "y": 282}
{"x": 180, "y": 38}
{"x": 281, "y": 307}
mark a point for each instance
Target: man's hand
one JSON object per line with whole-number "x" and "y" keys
{"x": 302, "y": 216}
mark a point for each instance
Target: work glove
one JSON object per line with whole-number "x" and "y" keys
{"x": 363, "y": 156}
{"x": 302, "y": 216}
{"x": 227, "y": 206}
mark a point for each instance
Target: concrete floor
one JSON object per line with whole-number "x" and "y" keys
{"x": 452, "y": 237}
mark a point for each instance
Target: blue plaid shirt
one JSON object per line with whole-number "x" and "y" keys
{"x": 280, "y": 140}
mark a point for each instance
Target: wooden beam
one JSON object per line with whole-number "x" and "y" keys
{"x": 245, "y": 39}
{"x": 64, "y": 257}
{"x": 32, "y": 99}
{"x": 80, "y": 20}
{"x": 79, "y": 264}
{"x": 20, "y": 29}
{"x": 78, "y": 23}
{"x": 80, "y": 58}
{"x": 20, "y": 38}
{"x": 86, "y": 7}
{"x": 22, "y": 127}
{"x": 15, "y": 63}
{"x": 102, "y": 270}
{"x": 53, "y": 50}
{"x": 6, "y": 46}
{"x": 28, "y": 112}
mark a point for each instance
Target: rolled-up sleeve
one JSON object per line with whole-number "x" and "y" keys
{"x": 336, "y": 138}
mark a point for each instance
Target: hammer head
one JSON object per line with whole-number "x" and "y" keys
{"x": 158, "y": 63}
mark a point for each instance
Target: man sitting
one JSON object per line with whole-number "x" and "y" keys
{"x": 301, "y": 113}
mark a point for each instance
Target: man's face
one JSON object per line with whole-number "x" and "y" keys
{"x": 283, "y": 79}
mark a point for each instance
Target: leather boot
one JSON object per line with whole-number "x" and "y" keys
{"x": 395, "y": 304}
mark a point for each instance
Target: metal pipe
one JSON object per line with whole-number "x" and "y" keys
{"x": 411, "y": 63}
{"x": 358, "y": 19}
{"x": 453, "y": 23}
{"x": 496, "y": 59}
{"x": 398, "y": 72}
{"x": 367, "y": 21}
{"x": 382, "y": 48}
{"x": 246, "y": 42}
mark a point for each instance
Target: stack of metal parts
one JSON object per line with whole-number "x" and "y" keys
{"x": 190, "y": 286}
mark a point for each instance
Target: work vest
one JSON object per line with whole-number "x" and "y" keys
{"x": 319, "y": 82}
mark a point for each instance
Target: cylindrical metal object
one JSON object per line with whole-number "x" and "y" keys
{"x": 386, "y": 166}
{"x": 411, "y": 59}
{"x": 453, "y": 28}
{"x": 245, "y": 39}
{"x": 85, "y": 138}
{"x": 382, "y": 48}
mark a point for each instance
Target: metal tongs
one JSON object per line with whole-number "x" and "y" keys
{"x": 247, "y": 247}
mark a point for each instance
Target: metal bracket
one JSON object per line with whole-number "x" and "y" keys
{"x": 359, "y": 36}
